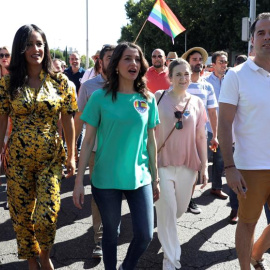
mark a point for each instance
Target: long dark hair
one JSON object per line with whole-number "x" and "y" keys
{"x": 18, "y": 66}
{"x": 112, "y": 84}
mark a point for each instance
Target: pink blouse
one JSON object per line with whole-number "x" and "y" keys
{"x": 180, "y": 149}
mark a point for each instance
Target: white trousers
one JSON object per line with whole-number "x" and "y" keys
{"x": 175, "y": 193}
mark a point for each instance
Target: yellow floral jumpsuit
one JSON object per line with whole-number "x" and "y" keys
{"x": 35, "y": 155}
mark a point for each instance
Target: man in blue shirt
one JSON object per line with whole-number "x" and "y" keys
{"x": 75, "y": 72}
{"x": 220, "y": 62}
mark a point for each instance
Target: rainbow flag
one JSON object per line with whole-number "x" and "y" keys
{"x": 163, "y": 18}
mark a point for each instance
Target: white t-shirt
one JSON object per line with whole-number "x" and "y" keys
{"x": 247, "y": 86}
{"x": 88, "y": 74}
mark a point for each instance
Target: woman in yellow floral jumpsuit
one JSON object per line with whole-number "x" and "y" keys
{"x": 34, "y": 96}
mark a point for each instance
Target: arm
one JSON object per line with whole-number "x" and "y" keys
{"x": 201, "y": 144}
{"x": 78, "y": 128}
{"x": 212, "y": 113}
{"x": 87, "y": 147}
{"x": 3, "y": 129}
{"x": 152, "y": 152}
{"x": 78, "y": 125}
{"x": 69, "y": 131}
{"x": 226, "y": 116}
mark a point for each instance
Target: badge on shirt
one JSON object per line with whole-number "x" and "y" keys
{"x": 186, "y": 113}
{"x": 140, "y": 105}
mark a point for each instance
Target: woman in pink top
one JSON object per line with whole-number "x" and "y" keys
{"x": 181, "y": 143}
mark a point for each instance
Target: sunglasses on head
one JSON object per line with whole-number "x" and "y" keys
{"x": 179, "y": 123}
{"x": 157, "y": 56}
{"x": 6, "y": 55}
{"x": 105, "y": 46}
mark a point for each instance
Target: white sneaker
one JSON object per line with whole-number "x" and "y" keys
{"x": 167, "y": 265}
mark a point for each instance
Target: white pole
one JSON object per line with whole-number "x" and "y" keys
{"x": 252, "y": 16}
{"x": 87, "y": 54}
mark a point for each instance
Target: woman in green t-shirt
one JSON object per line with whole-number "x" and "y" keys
{"x": 123, "y": 115}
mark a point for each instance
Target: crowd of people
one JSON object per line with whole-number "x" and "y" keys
{"x": 168, "y": 122}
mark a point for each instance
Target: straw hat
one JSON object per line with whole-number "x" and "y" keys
{"x": 172, "y": 56}
{"x": 96, "y": 55}
{"x": 201, "y": 50}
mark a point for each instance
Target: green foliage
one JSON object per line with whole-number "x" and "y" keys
{"x": 83, "y": 61}
{"x": 211, "y": 24}
{"x": 57, "y": 54}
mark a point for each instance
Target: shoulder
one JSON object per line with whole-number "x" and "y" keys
{"x": 159, "y": 93}
{"x": 4, "y": 81}
{"x": 150, "y": 69}
{"x": 99, "y": 94}
{"x": 151, "y": 96}
{"x": 67, "y": 70}
{"x": 197, "y": 102}
{"x": 209, "y": 77}
{"x": 61, "y": 77}
{"x": 81, "y": 70}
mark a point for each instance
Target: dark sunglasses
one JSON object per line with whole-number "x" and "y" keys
{"x": 157, "y": 56}
{"x": 179, "y": 123}
{"x": 6, "y": 55}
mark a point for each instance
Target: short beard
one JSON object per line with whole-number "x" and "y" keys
{"x": 196, "y": 69}
{"x": 157, "y": 66}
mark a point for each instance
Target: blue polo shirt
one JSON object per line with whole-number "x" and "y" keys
{"x": 216, "y": 82}
{"x": 75, "y": 77}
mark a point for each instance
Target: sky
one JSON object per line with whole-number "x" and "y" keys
{"x": 64, "y": 22}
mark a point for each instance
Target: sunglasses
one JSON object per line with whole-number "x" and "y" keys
{"x": 157, "y": 56}
{"x": 223, "y": 62}
{"x": 179, "y": 123}
{"x": 6, "y": 55}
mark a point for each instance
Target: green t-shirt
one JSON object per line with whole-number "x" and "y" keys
{"x": 121, "y": 160}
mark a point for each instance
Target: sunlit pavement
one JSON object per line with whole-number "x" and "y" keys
{"x": 207, "y": 239}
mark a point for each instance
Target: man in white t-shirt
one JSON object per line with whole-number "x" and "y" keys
{"x": 244, "y": 102}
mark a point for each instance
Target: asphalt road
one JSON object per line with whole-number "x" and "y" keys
{"x": 207, "y": 239}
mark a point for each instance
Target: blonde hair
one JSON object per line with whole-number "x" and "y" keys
{"x": 7, "y": 49}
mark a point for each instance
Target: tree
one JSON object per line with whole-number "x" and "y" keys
{"x": 83, "y": 61}
{"x": 57, "y": 54}
{"x": 211, "y": 24}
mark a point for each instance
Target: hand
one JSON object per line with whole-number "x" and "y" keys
{"x": 70, "y": 166}
{"x": 204, "y": 176}
{"x": 76, "y": 155}
{"x": 156, "y": 190}
{"x": 214, "y": 144}
{"x": 78, "y": 195}
{"x": 236, "y": 181}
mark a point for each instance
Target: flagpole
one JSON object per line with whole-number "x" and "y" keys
{"x": 140, "y": 31}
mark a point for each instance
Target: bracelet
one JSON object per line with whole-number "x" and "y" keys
{"x": 228, "y": 167}
{"x": 157, "y": 180}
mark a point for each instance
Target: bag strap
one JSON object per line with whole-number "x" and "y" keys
{"x": 161, "y": 97}
{"x": 172, "y": 128}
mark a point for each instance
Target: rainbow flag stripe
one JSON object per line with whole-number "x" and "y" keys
{"x": 162, "y": 16}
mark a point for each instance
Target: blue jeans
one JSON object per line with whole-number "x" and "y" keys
{"x": 109, "y": 202}
{"x": 218, "y": 165}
